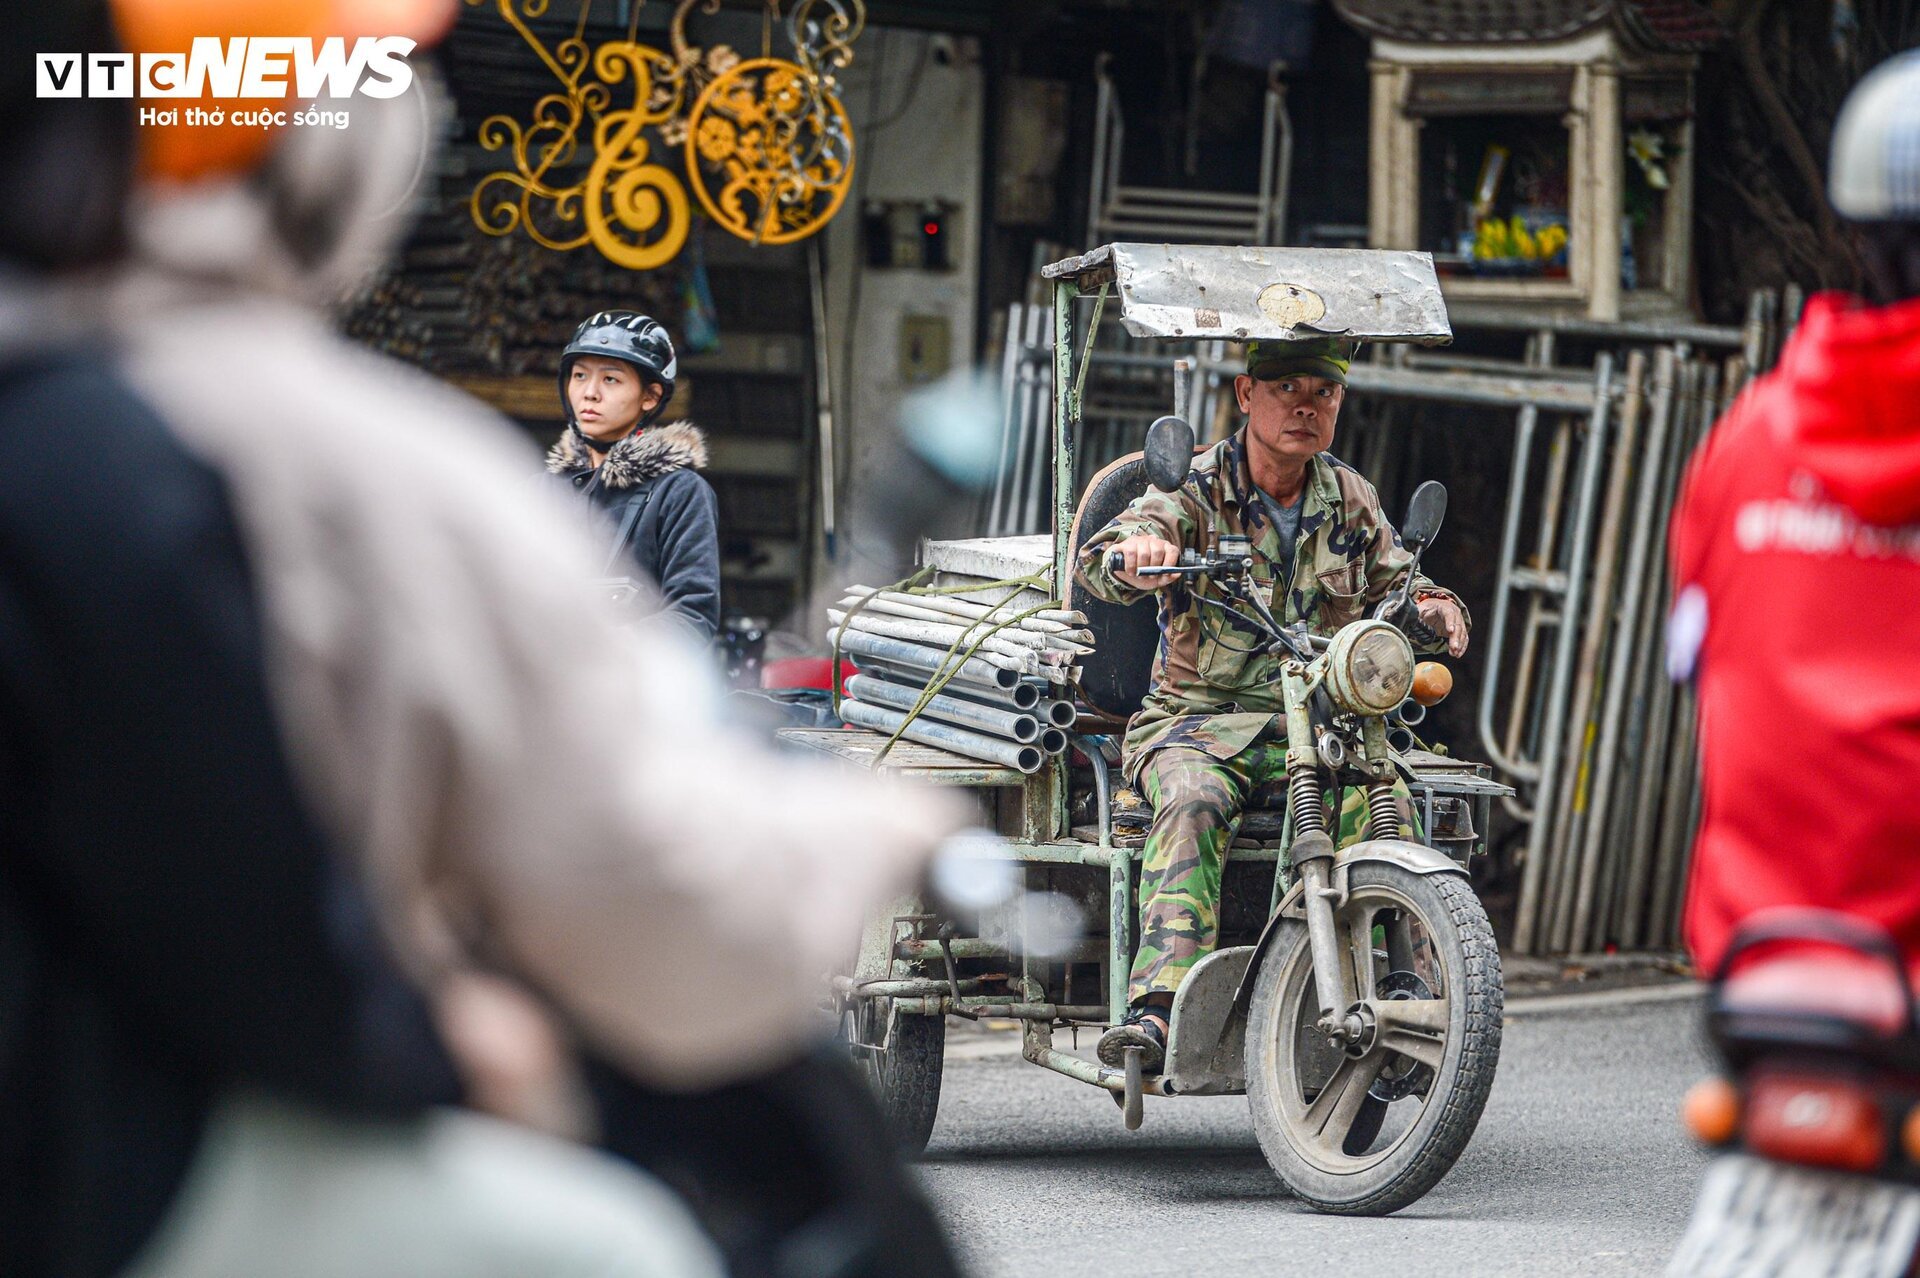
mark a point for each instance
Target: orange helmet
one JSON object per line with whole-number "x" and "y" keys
{"x": 182, "y": 152}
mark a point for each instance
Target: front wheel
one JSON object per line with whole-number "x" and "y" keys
{"x": 1367, "y": 1128}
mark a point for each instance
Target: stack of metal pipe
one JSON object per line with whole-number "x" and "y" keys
{"x": 1615, "y": 798}
{"x": 1598, "y": 740}
{"x": 989, "y": 683}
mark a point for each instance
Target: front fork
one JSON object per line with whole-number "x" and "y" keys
{"x": 1313, "y": 851}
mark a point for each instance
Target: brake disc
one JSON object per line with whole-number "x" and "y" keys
{"x": 1404, "y": 1076}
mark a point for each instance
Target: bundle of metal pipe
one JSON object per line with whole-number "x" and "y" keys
{"x": 975, "y": 745}
{"x": 1024, "y": 694}
{"x": 926, "y": 660}
{"x": 966, "y": 718}
{"x": 1008, "y": 703}
{"x": 1003, "y": 630}
{"x": 1042, "y": 655}
{"x": 1045, "y": 620}
{"x": 978, "y": 716}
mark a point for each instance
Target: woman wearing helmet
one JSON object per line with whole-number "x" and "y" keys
{"x": 641, "y": 481}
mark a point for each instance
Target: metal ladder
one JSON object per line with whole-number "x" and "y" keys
{"x": 1179, "y": 215}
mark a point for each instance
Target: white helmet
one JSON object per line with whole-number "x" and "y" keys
{"x": 1874, "y": 175}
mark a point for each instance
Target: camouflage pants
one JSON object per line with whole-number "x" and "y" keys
{"x": 1197, "y": 800}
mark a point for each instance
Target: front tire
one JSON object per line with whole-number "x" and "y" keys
{"x": 1366, "y": 1131}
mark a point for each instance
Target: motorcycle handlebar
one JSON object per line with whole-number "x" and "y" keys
{"x": 1190, "y": 565}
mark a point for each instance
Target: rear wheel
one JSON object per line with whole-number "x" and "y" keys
{"x": 901, "y": 1061}
{"x": 903, "y": 1067}
{"x": 1367, "y": 1128}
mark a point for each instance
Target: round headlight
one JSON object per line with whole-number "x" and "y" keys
{"x": 1369, "y": 668}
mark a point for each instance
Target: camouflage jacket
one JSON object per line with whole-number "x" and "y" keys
{"x": 1212, "y": 689}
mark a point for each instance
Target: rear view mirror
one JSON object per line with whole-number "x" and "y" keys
{"x": 1425, "y": 513}
{"x": 1170, "y": 454}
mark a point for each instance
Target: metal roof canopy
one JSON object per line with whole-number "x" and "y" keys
{"x": 1240, "y": 294}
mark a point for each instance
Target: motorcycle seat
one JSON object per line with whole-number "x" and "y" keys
{"x": 1820, "y": 982}
{"x": 1117, "y": 675}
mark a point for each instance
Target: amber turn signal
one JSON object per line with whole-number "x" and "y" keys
{"x": 1712, "y": 1111}
{"x": 1910, "y": 1134}
{"x": 1431, "y": 683}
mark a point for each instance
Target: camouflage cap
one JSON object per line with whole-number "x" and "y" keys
{"x": 1327, "y": 357}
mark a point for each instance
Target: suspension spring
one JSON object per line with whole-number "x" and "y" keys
{"x": 1383, "y": 812}
{"x": 1303, "y": 796}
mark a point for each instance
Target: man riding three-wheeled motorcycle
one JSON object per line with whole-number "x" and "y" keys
{"x": 1305, "y": 931}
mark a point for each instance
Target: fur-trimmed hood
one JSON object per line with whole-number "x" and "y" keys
{"x": 639, "y": 457}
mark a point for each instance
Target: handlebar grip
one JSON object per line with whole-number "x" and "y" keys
{"x": 1422, "y": 635}
{"x": 1189, "y": 561}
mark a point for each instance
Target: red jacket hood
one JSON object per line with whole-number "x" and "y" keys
{"x": 1849, "y": 406}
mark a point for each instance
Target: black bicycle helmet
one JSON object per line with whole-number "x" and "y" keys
{"x": 624, "y": 335}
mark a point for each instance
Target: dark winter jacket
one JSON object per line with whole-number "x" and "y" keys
{"x": 171, "y": 926}
{"x": 658, "y": 513}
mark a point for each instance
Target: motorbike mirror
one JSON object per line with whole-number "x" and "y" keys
{"x": 1169, "y": 453}
{"x": 1424, "y": 515}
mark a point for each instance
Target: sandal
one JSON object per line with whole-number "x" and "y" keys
{"x": 1141, "y": 1029}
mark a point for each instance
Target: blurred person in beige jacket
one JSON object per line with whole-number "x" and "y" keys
{"x": 528, "y": 784}
{"x": 565, "y": 838}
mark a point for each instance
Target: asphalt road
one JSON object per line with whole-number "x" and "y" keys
{"x": 1579, "y": 1167}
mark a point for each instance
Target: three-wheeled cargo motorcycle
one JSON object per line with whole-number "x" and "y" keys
{"x": 1355, "y": 996}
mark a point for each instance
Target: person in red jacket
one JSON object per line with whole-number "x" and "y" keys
{"x": 1796, "y": 554}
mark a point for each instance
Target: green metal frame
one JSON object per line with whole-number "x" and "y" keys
{"x": 1068, "y": 388}
{"x": 1066, "y": 424}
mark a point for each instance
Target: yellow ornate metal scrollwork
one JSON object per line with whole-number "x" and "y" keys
{"x": 771, "y": 135}
{"x": 780, "y": 156}
{"x": 634, "y": 212}
{"x": 844, "y": 21}
{"x": 769, "y": 149}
